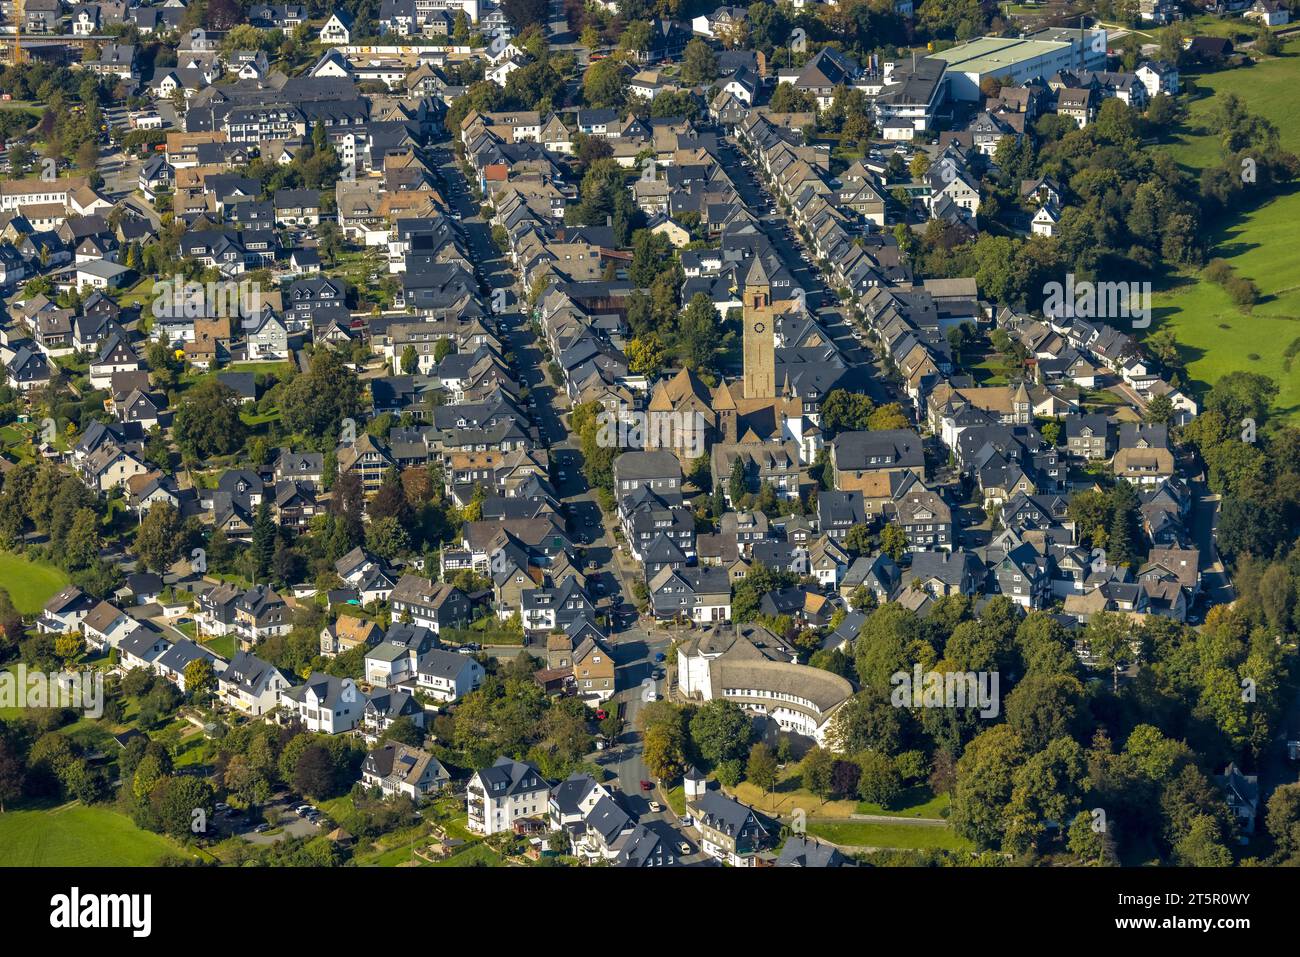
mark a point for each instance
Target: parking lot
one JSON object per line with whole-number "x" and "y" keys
{"x": 279, "y": 816}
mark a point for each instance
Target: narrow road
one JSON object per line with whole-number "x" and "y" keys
{"x": 1216, "y": 586}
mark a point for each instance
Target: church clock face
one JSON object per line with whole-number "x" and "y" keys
{"x": 759, "y": 327}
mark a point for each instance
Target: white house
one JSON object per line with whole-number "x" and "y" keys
{"x": 572, "y": 800}
{"x": 105, "y": 625}
{"x": 500, "y": 72}
{"x": 399, "y": 769}
{"x": 251, "y": 685}
{"x": 337, "y": 30}
{"x": 117, "y": 355}
{"x": 100, "y": 274}
{"x": 171, "y": 664}
{"x": 949, "y": 182}
{"x": 1158, "y": 76}
{"x": 1271, "y": 13}
{"x": 389, "y": 664}
{"x": 325, "y": 704}
{"x": 507, "y": 792}
{"x": 1045, "y": 220}
{"x": 65, "y": 612}
{"x": 447, "y": 675}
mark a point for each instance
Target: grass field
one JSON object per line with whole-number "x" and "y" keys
{"x": 223, "y": 645}
{"x": 77, "y": 836}
{"x": 279, "y": 369}
{"x": 902, "y": 836}
{"x": 1214, "y": 336}
{"x": 30, "y": 584}
{"x": 477, "y": 855}
{"x": 914, "y": 802}
{"x": 790, "y": 793}
{"x": 990, "y": 370}
{"x": 677, "y": 800}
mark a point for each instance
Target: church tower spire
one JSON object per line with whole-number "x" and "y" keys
{"x": 759, "y": 318}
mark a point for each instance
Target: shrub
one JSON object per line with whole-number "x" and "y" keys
{"x": 1218, "y": 271}
{"x": 1243, "y": 292}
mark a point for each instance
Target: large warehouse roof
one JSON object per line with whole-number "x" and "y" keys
{"x": 991, "y": 54}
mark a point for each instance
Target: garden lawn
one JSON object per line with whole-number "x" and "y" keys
{"x": 11, "y": 436}
{"x": 392, "y": 857}
{"x": 279, "y": 369}
{"x": 30, "y": 584}
{"x": 477, "y": 855}
{"x": 900, "y": 836}
{"x": 223, "y": 645}
{"x": 1214, "y": 336}
{"x": 141, "y": 294}
{"x": 74, "y": 835}
{"x": 991, "y": 370}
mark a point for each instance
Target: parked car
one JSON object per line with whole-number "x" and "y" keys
{"x": 684, "y": 847}
{"x": 647, "y": 786}
{"x": 660, "y": 656}
{"x": 655, "y": 807}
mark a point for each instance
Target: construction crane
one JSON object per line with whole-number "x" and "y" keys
{"x": 20, "y": 15}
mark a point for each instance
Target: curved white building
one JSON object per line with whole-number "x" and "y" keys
{"x": 758, "y": 671}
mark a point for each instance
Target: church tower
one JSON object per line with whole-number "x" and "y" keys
{"x": 760, "y": 333}
{"x": 724, "y": 407}
{"x": 694, "y": 784}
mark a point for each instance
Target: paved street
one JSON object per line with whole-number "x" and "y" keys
{"x": 121, "y": 173}
{"x": 635, "y": 641}
{"x": 1216, "y": 586}
{"x": 788, "y": 245}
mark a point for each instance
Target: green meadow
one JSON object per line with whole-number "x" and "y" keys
{"x": 912, "y": 837}
{"x": 1214, "y": 336}
{"x": 30, "y": 584}
{"x": 74, "y": 835}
